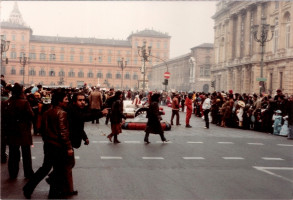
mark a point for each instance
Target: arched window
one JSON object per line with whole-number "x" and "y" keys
{"x": 134, "y": 77}
{"x": 71, "y": 73}
{"x": 13, "y": 71}
{"x": 99, "y": 75}
{"x": 42, "y": 72}
{"x": 90, "y": 74}
{"x": 51, "y": 72}
{"x": 109, "y": 75}
{"x": 32, "y": 72}
{"x": 127, "y": 75}
{"x": 61, "y": 73}
{"x": 118, "y": 75}
{"x": 80, "y": 74}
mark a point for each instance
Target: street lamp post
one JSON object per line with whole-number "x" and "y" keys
{"x": 23, "y": 60}
{"x": 262, "y": 39}
{"x": 4, "y": 48}
{"x": 122, "y": 64}
{"x": 144, "y": 52}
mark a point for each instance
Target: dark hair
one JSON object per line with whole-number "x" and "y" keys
{"x": 17, "y": 90}
{"x": 74, "y": 97}
{"x": 58, "y": 96}
{"x": 117, "y": 95}
{"x": 155, "y": 97}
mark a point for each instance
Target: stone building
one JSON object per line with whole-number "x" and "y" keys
{"x": 238, "y": 54}
{"x": 189, "y": 72}
{"x": 73, "y": 61}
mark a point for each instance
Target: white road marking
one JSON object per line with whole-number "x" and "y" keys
{"x": 285, "y": 145}
{"x": 193, "y": 158}
{"x": 164, "y": 142}
{"x": 255, "y": 143}
{"x": 152, "y": 158}
{"x": 225, "y": 143}
{"x": 268, "y": 158}
{"x": 38, "y": 142}
{"x": 233, "y": 158}
{"x": 76, "y": 157}
{"x": 194, "y": 142}
{"x": 94, "y": 141}
{"x": 111, "y": 157}
{"x": 266, "y": 170}
{"x": 132, "y": 142}
{"x": 105, "y": 141}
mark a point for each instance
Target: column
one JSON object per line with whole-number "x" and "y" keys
{"x": 230, "y": 38}
{"x": 238, "y": 35}
{"x": 247, "y": 33}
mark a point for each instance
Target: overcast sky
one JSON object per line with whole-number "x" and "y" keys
{"x": 189, "y": 23}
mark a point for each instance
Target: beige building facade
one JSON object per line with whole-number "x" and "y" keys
{"x": 238, "y": 54}
{"x": 72, "y": 61}
{"x": 189, "y": 72}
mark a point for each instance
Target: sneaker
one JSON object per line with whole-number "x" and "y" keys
{"x": 188, "y": 126}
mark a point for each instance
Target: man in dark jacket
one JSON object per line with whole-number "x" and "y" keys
{"x": 17, "y": 118}
{"x": 77, "y": 115}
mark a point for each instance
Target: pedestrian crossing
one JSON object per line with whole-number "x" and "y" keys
{"x": 187, "y": 142}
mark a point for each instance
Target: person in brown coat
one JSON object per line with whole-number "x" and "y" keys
{"x": 17, "y": 117}
{"x": 175, "y": 109}
{"x": 96, "y": 102}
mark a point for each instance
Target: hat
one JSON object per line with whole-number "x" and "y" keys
{"x": 278, "y": 90}
{"x": 278, "y": 111}
{"x": 241, "y": 104}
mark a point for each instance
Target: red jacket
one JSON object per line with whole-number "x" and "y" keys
{"x": 188, "y": 103}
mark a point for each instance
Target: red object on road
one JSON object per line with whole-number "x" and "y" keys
{"x": 167, "y": 75}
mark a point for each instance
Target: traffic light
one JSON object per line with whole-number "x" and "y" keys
{"x": 165, "y": 82}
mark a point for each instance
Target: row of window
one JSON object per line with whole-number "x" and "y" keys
{"x": 80, "y": 74}
{"x": 91, "y": 59}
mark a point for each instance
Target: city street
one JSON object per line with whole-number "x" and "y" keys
{"x": 197, "y": 163}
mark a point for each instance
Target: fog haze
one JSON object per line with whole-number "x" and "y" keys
{"x": 188, "y": 23}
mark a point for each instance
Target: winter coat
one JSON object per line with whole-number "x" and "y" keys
{"x": 95, "y": 100}
{"x": 55, "y": 128}
{"x": 17, "y": 116}
{"x": 76, "y": 119}
{"x": 154, "y": 119}
{"x": 117, "y": 112}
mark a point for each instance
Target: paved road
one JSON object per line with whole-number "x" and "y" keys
{"x": 219, "y": 163}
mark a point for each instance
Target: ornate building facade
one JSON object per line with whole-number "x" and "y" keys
{"x": 189, "y": 72}
{"x": 238, "y": 54}
{"x": 72, "y": 61}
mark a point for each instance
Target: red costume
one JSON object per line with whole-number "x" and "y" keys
{"x": 188, "y": 103}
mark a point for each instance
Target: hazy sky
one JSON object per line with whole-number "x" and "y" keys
{"x": 188, "y": 23}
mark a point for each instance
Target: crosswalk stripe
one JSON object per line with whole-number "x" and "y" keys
{"x": 132, "y": 142}
{"x": 225, "y": 143}
{"x": 152, "y": 158}
{"x": 233, "y": 158}
{"x": 255, "y": 143}
{"x": 105, "y": 141}
{"x": 193, "y": 158}
{"x": 76, "y": 157}
{"x": 267, "y": 158}
{"x": 38, "y": 142}
{"x": 285, "y": 145}
{"x": 165, "y": 142}
{"x": 190, "y": 142}
{"x": 111, "y": 157}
